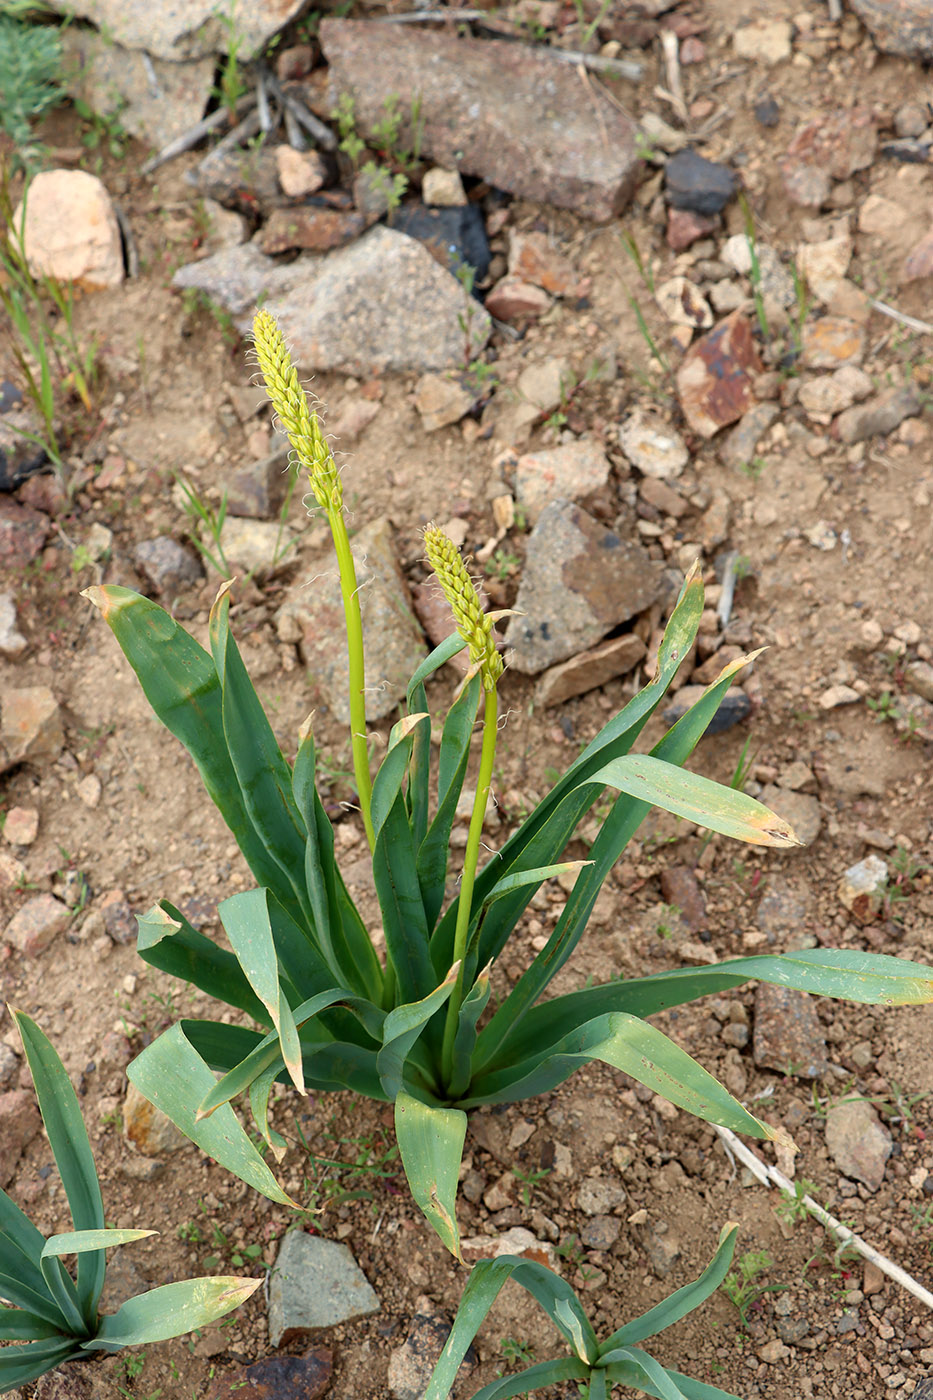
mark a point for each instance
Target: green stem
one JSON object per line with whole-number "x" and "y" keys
{"x": 470, "y": 860}
{"x": 357, "y": 679}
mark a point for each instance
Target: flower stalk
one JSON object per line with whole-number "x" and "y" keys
{"x": 302, "y": 426}
{"x": 476, "y": 629}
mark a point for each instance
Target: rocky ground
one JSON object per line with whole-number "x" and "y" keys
{"x": 704, "y": 337}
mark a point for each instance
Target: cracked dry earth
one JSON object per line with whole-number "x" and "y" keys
{"x": 834, "y": 542}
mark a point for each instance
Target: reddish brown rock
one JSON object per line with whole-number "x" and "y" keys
{"x": 680, "y": 888}
{"x": 590, "y": 669}
{"x": 276, "y": 1378}
{"x": 684, "y": 227}
{"x": 33, "y": 927}
{"x": 899, "y": 26}
{"x": 788, "y": 1033}
{"x": 841, "y": 143}
{"x": 23, "y": 532}
{"x": 316, "y": 229}
{"x": 514, "y": 300}
{"x": 715, "y": 380}
{"x": 30, "y": 726}
{"x": 19, "y": 1123}
{"x": 533, "y": 258}
{"x": 510, "y": 113}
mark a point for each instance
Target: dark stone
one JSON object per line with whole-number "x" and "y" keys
{"x": 454, "y": 235}
{"x": 318, "y": 230}
{"x": 767, "y": 112}
{"x": 734, "y": 707}
{"x": 10, "y": 396}
{"x": 903, "y": 27}
{"x": 277, "y": 1378}
{"x": 119, "y": 922}
{"x": 693, "y": 182}
{"x": 167, "y": 564}
{"x": 791, "y": 1329}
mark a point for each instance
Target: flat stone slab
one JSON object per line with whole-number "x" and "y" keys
{"x": 580, "y": 580}
{"x": 514, "y": 114}
{"x": 788, "y": 1033}
{"x": 312, "y": 616}
{"x": 179, "y": 29}
{"x": 117, "y": 80}
{"x": 383, "y": 303}
{"x": 316, "y": 1283}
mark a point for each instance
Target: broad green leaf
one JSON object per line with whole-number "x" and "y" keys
{"x": 615, "y": 739}
{"x": 534, "y": 877}
{"x": 259, "y": 1092}
{"x": 537, "y": 1377}
{"x": 870, "y": 978}
{"x": 419, "y": 768}
{"x": 345, "y": 948}
{"x": 170, "y": 1311}
{"x": 20, "y": 1246}
{"x": 22, "y": 1325}
{"x": 598, "y": 1388}
{"x": 167, "y": 941}
{"x": 83, "y": 1241}
{"x": 402, "y": 1028}
{"x": 652, "y": 1374}
{"x": 430, "y": 1143}
{"x": 635, "y": 1047}
{"x": 248, "y": 926}
{"x": 696, "y": 799}
{"x": 21, "y": 1364}
{"x": 471, "y": 1008}
{"x": 617, "y": 830}
{"x": 434, "y": 849}
{"x": 387, "y": 783}
{"x": 268, "y": 1052}
{"x": 633, "y": 1375}
{"x": 34, "y": 1300}
{"x": 172, "y": 1075}
{"x": 442, "y": 653}
{"x": 403, "y": 919}
{"x": 677, "y": 1305}
{"x": 264, "y": 777}
{"x": 68, "y": 1139}
{"x": 483, "y": 1287}
{"x": 181, "y": 684}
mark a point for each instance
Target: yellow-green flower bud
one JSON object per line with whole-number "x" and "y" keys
{"x": 295, "y": 414}
{"x": 474, "y": 626}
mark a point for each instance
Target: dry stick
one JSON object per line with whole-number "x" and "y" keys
{"x": 289, "y": 99}
{"x": 615, "y": 67}
{"x": 910, "y": 321}
{"x": 770, "y": 1176}
{"x": 675, "y": 93}
{"x": 194, "y": 134}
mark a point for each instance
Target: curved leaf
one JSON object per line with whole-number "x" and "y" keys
{"x": 471, "y": 1008}
{"x": 430, "y": 1143}
{"x": 454, "y": 753}
{"x": 167, "y": 941}
{"x": 248, "y": 926}
{"x": 635, "y": 1047}
{"x": 83, "y": 1241}
{"x": 483, "y": 1287}
{"x": 172, "y": 1075}
{"x": 685, "y": 1300}
{"x": 632, "y": 1374}
{"x": 68, "y": 1139}
{"x": 653, "y": 1377}
{"x": 22, "y": 1325}
{"x": 696, "y": 799}
{"x": 20, "y": 1246}
{"x": 402, "y": 1028}
{"x": 170, "y": 1311}
{"x": 21, "y": 1364}
{"x": 536, "y": 1377}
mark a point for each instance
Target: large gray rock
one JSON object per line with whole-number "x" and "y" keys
{"x": 899, "y": 26}
{"x": 580, "y": 581}
{"x": 179, "y": 29}
{"x": 153, "y": 100}
{"x": 315, "y": 1283}
{"x": 514, "y": 114}
{"x": 313, "y": 617}
{"x": 381, "y": 304}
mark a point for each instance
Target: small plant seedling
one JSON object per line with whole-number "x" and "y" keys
{"x": 30, "y": 77}
{"x": 793, "y": 1209}
{"x": 741, "y": 1285}
{"x": 231, "y": 85}
{"x": 883, "y": 707}
{"x": 516, "y": 1353}
{"x": 529, "y": 1179}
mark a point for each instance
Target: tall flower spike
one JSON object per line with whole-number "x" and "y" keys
{"x": 294, "y": 412}
{"x": 474, "y": 626}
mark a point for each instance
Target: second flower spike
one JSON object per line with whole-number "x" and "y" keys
{"x": 474, "y": 626}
